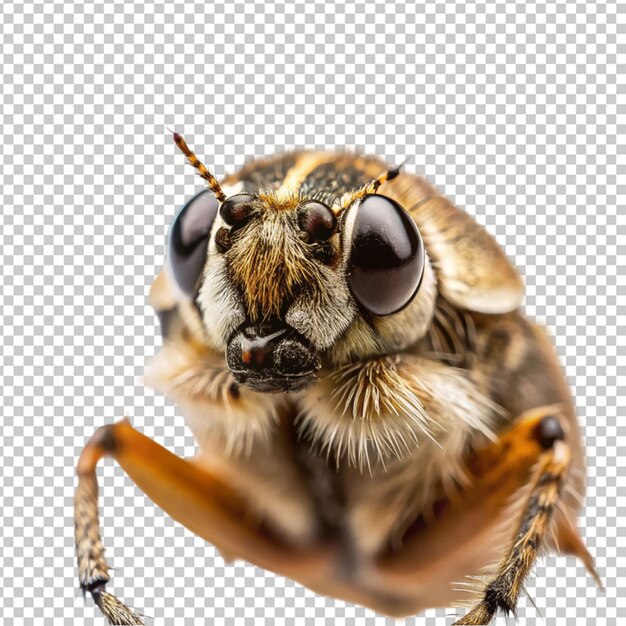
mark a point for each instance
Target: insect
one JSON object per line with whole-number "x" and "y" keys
{"x": 375, "y": 417}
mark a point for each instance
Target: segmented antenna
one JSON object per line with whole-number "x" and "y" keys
{"x": 371, "y": 187}
{"x": 202, "y": 170}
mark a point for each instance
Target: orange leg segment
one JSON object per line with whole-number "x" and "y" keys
{"x": 531, "y": 454}
{"x": 203, "y": 502}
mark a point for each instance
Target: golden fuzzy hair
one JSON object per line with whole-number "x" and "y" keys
{"x": 270, "y": 264}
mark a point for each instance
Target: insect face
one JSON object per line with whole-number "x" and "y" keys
{"x": 288, "y": 280}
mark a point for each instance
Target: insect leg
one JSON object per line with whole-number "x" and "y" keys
{"x": 502, "y": 591}
{"x": 201, "y": 500}
{"x": 93, "y": 571}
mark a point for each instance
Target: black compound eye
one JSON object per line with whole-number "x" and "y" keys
{"x": 386, "y": 260}
{"x": 236, "y": 210}
{"x": 188, "y": 239}
{"x": 317, "y": 221}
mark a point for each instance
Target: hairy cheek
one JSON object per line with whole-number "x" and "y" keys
{"x": 321, "y": 323}
{"x": 222, "y": 311}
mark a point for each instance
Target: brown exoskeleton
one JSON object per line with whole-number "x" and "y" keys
{"x": 375, "y": 417}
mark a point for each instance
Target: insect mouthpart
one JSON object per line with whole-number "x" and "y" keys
{"x": 272, "y": 357}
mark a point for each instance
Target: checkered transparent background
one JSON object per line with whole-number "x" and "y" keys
{"x": 509, "y": 108}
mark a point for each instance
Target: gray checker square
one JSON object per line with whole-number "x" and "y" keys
{"x": 511, "y": 108}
